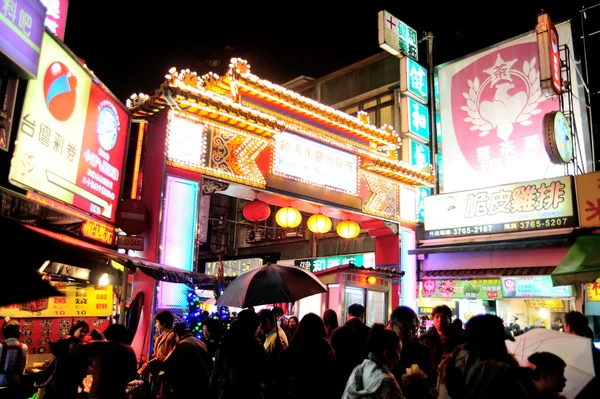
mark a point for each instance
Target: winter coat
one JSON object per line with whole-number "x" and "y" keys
{"x": 439, "y": 350}
{"x": 350, "y": 345}
{"x": 188, "y": 367}
{"x": 372, "y": 380}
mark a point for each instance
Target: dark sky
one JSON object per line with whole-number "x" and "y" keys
{"x": 131, "y": 44}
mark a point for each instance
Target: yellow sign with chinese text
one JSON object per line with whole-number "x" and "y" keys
{"x": 537, "y": 205}
{"x": 79, "y": 301}
{"x": 593, "y": 291}
{"x": 587, "y": 187}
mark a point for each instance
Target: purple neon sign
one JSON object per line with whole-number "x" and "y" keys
{"x": 21, "y": 32}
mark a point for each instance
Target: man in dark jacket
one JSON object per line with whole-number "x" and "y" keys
{"x": 443, "y": 338}
{"x": 350, "y": 343}
{"x": 189, "y": 366}
{"x": 415, "y": 385}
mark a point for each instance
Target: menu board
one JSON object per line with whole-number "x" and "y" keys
{"x": 462, "y": 289}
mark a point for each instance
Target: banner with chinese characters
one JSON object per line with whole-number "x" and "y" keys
{"x": 319, "y": 264}
{"x": 78, "y": 301}
{"x": 539, "y": 205}
{"x": 593, "y": 291}
{"x": 38, "y": 333}
{"x": 491, "y": 109}
{"x": 533, "y": 286}
{"x": 490, "y": 288}
{"x": 72, "y": 135}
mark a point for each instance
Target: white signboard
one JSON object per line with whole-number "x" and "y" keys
{"x": 396, "y": 37}
{"x": 491, "y": 108}
{"x": 185, "y": 141}
{"x": 315, "y": 163}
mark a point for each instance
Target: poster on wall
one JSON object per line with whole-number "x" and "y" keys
{"x": 72, "y": 135}
{"x": 491, "y": 109}
{"x": 533, "y": 286}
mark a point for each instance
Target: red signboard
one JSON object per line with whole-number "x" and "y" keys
{"x": 550, "y": 66}
{"x": 56, "y": 16}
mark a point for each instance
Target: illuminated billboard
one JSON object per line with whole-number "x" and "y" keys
{"x": 72, "y": 135}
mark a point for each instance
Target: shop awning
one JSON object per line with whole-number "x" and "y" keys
{"x": 504, "y": 245}
{"x": 463, "y": 274}
{"x": 581, "y": 264}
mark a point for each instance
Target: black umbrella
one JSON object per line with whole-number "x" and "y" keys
{"x": 271, "y": 284}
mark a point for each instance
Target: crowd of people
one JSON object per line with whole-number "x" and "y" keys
{"x": 265, "y": 355}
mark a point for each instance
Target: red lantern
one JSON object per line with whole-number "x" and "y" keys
{"x": 256, "y": 211}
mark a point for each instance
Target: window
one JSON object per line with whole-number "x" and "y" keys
{"x": 380, "y": 109}
{"x": 376, "y": 308}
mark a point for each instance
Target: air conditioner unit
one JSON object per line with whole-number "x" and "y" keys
{"x": 255, "y": 235}
{"x": 294, "y": 234}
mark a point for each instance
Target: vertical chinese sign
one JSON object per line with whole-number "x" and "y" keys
{"x": 56, "y": 16}
{"x": 72, "y": 136}
{"x": 588, "y": 199}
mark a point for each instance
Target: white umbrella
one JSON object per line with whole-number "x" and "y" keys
{"x": 575, "y": 351}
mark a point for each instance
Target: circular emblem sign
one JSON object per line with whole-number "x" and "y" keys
{"x": 558, "y": 138}
{"x": 132, "y": 216}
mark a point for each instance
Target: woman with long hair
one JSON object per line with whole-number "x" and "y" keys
{"x": 373, "y": 378}
{"x": 331, "y": 321}
{"x": 305, "y": 366}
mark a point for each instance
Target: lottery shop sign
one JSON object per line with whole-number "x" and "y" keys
{"x": 538, "y": 205}
{"x": 72, "y": 135}
{"x": 78, "y": 302}
{"x": 462, "y": 289}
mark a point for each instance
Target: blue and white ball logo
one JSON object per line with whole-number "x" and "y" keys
{"x": 107, "y": 125}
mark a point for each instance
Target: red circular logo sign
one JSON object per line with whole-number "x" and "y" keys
{"x": 60, "y": 91}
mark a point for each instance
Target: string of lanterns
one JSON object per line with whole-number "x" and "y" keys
{"x": 289, "y": 217}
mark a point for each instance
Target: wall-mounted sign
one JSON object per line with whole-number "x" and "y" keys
{"x": 549, "y": 65}
{"x": 462, "y": 289}
{"x": 538, "y": 205}
{"x": 232, "y": 268}
{"x": 421, "y": 194}
{"x": 414, "y": 119}
{"x": 588, "y": 199}
{"x": 413, "y": 80}
{"x": 558, "y": 138}
{"x": 72, "y": 137}
{"x": 134, "y": 243}
{"x": 593, "y": 291}
{"x": 310, "y": 162}
{"x": 56, "y": 16}
{"x": 78, "y": 301}
{"x": 416, "y": 153}
{"x": 21, "y": 31}
{"x": 533, "y": 286}
{"x": 186, "y": 143}
{"x": 396, "y": 37}
{"x": 319, "y": 264}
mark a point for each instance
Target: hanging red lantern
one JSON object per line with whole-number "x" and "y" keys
{"x": 256, "y": 211}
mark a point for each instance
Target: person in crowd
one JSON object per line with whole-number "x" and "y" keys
{"x": 96, "y": 335}
{"x": 373, "y": 378}
{"x": 305, "y": 366}
{"x": 188, "y": 367}
{"x": 275, "y": 341}
{"x": 114, "y": 363}
{"x": 443, "y": 338}
{"x": 13, "y": 359}
{"x": 331, "y": 321}
{"x": 69, "y": 370}
{"x": 577, "y": 324}
{"x": 212, "y": 334}
{"x": 292, "y": 325}
{"x": 414, "y": 371}
{"x": 164, "y": 342}
{"x": 240, "y": 361}
{"x": 548, "y": 374}
{"x": 458, "y": 324}
{"x": 349, "y": 343}
{"x": 483, "y": 368}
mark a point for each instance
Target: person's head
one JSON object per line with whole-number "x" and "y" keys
{"x": 12, "y": 329}
{"x": 548, "y": 372}
{"x": 516, "y": 327}
{"x": 212, "y": 330}
{"x": 180, "y": 330}
{"x": 576, "y": 323}
{"x": 356, "y": 311}
{"x": 247, "y": 322}
{"x": 441, "y": 316}
{"x": 163, "y": 320}
{"x": 118, "y": 333}
{"x": 384, "y": 345}
{"x": 267, "y": 320}
{"x": 310, "y": 335}
{"x": 79, "y": 330}
{"x": 96, "y": 335}
{"x": 458, "y": 324}
{"x": 330, "y": 319}
{"x": 404, "y": 322}
{"x": 485, "y": 339}
{"x": 293, "y": 323}
{"x": 277, "y": 312}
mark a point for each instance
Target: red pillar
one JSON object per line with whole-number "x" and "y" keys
{"x": 387, "y": 251}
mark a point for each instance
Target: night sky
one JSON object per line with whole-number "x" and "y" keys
{"x": 131, "y": 44}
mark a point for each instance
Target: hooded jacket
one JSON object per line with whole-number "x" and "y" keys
{"x": 372, "y": 380}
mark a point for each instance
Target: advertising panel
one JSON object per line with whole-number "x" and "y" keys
{"x": 413, "y": 80}
{"x": 414, "y": 119}
{"x": 308, "y": 161}
{"x": 533, "y": 286}
{"x": 588, "y": 199}
{"x": 593, "y": 291}
{"x": 491, "y": 109}
{"x": 72, "y": 137}
{"x": 56, "y": 16}
{"x": 21, "y": 31}
{"x": 490, "y": 288}
{"x": 538, "y": 205}
{"x": 396, "y": 37}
